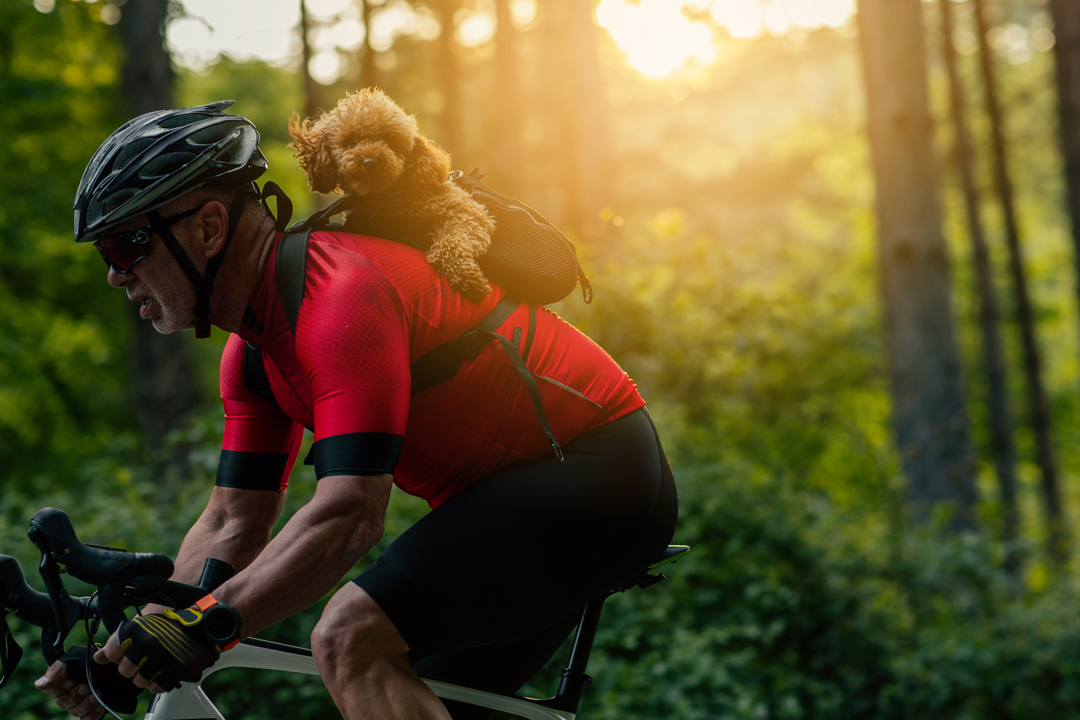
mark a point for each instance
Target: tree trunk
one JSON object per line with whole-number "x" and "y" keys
{"x": 508, "y": 118}
{"x": 369, "y": 72}
{"x": 1002, "y": 446}
{"x": 1039, "y": 408}
{"x": 587, "y": 117}
{"x": 452, "y": 132}
{"x": 929, "y": 413}
{"x": 554, "y": 95}
{"x": 1067, "y": 58}
{"x": 165, "y": 390}
{"x": 312, "y": 94}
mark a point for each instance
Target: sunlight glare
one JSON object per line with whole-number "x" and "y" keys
{"x": 347, "y": 34}
{"x": 325, "y": 66}
{"x": 742, "y": 18}
{"x": 393, "y": 20}
{"x": 776, "y": 18}
{"x": 522, "y": 12}
{"x": 328, "y": 8}
{"x": 656, "y": 37}
{"x": 474, "y": 28}
{"x": 835, "y": 13}
{"x": 212, "y": 28}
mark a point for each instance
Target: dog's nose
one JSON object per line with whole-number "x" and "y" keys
{"x": 370, "y": 163}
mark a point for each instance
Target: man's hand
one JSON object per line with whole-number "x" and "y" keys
{"x": 158, "y": 652}
{"x": 73, "y": 697}
{"x": 113, "y": 653}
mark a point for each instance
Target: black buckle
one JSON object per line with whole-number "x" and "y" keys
{"x": 469, "y": 345}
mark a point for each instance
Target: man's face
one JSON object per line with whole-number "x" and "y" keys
{"x": 164, "y": 293}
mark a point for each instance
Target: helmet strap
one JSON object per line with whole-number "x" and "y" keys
{"x": 203, "y": 283}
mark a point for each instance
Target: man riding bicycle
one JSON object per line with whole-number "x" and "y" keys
{"x": 483, "y": 589}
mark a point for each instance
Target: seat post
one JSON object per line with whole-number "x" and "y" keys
{"x": 574, "y": 678}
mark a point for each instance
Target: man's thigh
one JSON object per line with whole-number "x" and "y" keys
{"x": 521, "y": 552}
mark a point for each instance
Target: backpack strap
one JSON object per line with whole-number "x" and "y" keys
{"x": 291, "y": 270}
{"x": 255, "y": 372}
{"x": 438, "y": 364}
{"x": 532, "y": 332}
{"x": 443, "y": 361}
{"x": 321, "y": 218}
{"x": 534, "y": 391}
{"x": 284, "y": 204}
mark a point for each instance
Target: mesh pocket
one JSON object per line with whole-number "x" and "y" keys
{"x": 528, "y": 256}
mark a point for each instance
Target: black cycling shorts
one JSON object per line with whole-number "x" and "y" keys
{"x": 486, "y": 587}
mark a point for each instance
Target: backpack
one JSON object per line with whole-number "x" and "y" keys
{"x": 528, "y": 257}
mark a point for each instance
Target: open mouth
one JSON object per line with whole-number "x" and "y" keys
{"x": 144, "y": 308}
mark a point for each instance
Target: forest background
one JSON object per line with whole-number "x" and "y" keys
{"x": 713, "y": 166}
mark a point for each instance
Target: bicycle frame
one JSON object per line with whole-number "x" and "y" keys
{"x": 121, "y": 579}
{"x": 190, "y": 702}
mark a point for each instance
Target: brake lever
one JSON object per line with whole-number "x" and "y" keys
{"x": 10, "y": 652}
{"x": 54, "y": 586}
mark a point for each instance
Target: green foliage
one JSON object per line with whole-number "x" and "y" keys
{"x": 62, "y": 377}
{"x": 777, "y": 613}
{"x": 736, "y": 284}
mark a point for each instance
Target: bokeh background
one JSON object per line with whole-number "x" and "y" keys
{"x": 710, "y": 159}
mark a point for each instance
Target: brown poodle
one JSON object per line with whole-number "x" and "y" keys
{"x": 368, "y": 147}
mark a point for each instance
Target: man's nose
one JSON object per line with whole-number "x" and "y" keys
{"x": 118, "y": 279}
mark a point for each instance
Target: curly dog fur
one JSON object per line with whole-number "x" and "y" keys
{"x": 368, "y": 147}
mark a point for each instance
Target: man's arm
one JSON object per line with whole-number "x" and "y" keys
{"x": 314, "y": 550}
{"x": 234, "y": 527}
{"x": 304, "y": 561}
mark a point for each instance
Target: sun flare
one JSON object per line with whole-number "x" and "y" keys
{"x": 658, "y": 38}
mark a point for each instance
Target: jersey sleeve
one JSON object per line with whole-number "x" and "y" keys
{"x": 352, "y": 339}
{"x": 261, "y": 442}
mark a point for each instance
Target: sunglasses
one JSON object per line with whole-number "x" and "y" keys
{"x": 122, "y": 250}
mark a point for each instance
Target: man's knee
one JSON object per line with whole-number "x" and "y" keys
{"x": 354, "y": 628}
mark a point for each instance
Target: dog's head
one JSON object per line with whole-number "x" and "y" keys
{"x": 365, "y": 145}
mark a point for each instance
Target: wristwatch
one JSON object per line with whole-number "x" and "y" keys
{"x": 218, "y": 623}
{"x": 221, "y": 623}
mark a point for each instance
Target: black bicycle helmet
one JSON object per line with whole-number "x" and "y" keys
{"x": 157, "y": 157}
{"x": 160, "y": 156}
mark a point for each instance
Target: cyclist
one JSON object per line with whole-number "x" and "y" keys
{"x": 484, "y": 588}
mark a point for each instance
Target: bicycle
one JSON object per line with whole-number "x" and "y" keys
{"x": 126, "y": 580}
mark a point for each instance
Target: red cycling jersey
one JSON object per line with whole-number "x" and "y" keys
{"x": 370, "y": 308}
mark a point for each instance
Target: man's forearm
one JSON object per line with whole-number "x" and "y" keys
{"x": 210, "y": 539}
{"x": 234, "y": 528}
{"x": 314, "y": 550}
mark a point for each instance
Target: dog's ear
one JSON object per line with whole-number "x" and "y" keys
{"x": 313, "y": 154}
{"x": 427, "y": 166}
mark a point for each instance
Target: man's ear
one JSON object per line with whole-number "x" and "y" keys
{"x": 213, "y": 225}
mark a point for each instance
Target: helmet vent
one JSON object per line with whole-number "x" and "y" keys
{"x": 131, "y": 151}
{"x": 176, "y": 121}
{"x": 160, "y": 156}
{"x": 166, "y": 164}
{"x": 107, "y": 205}
{"x": 206, "y": 136}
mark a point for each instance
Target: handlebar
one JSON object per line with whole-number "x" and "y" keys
{"x": 123, "y": 580}
{"x": 52, "y": 532}
{"x": 107, "y": 568}
{"x": 28, "y": 604}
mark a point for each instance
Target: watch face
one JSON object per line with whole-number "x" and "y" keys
{"x": 221, "y": 623}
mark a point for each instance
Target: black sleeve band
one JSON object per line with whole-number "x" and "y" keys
{"x": 251, "y": 470}
{"x": 366, "y": 453}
